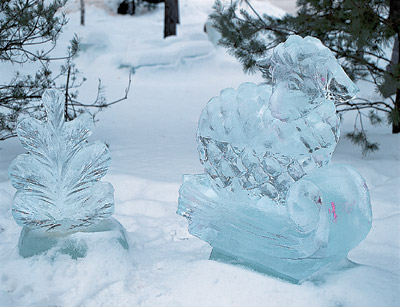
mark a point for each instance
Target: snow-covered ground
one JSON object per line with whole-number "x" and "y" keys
{"x": 152, "y": 141}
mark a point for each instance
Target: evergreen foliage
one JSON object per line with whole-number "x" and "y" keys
{"x": 358, "y": 32}
{"x": 29, "y": 30}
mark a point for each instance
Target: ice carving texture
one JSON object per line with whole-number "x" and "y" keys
{"x": 58, "y": 180}
{"x": 269, "y": 198}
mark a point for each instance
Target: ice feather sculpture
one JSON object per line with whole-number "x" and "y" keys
{"x": 58, "y": 179}
{"x": 269, "y": 198}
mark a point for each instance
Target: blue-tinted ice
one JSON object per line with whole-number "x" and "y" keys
{"x": 269, "y": 198}
{"x": 58, "y": 179}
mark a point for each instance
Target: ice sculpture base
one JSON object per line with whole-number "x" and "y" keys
{"x": 74, "y": 244}
{"x": 312, "y": 271}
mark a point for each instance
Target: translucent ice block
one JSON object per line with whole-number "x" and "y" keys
{"x": 269, "y": 198}
{"x": 58, "y": 179}
{"x": 59, "y": 192}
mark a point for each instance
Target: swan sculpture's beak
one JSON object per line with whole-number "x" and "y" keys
{"x": 341, "y": 88}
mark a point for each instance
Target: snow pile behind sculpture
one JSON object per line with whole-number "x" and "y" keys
{"x": 270, "y": 199}
{"x": 59, "y": 192}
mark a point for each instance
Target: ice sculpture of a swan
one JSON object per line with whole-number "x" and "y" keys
{"x": 269, "y": 198}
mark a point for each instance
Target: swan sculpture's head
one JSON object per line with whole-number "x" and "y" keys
{"x": 308, "y": 66}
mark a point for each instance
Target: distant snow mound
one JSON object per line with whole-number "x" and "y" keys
{"x": 107, "y": 5}
{"x": 170, "y": 53}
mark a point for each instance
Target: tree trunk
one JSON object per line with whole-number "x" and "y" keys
{"x": 82, "y": 12}
{"x": 171, "y": 17}
{"x": 394, "y": 17}
{"x": 177, "y": 11}
{"x": 396, "y": 126}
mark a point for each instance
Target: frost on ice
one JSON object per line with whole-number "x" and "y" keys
{"x": 270, "y": 199}
{"x": 58, "y": 179}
